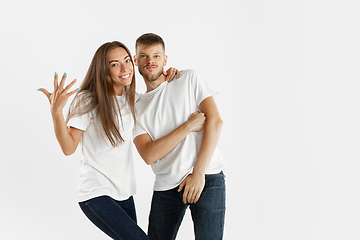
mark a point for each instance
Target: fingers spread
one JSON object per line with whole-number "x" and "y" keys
{"x": 70, "y": 85}
{"x": 55, "y": 82}
{"x": 62, "y": 82}
{"x": 72, "y": 92}
{"x": 47, "y": 94}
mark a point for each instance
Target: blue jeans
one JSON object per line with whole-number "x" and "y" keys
{"x": 167, "y": 211}
{"x": 115, "y": 218}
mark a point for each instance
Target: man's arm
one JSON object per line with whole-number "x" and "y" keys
{"x": 151, "y": 151}
{"x": 194, "y": 183}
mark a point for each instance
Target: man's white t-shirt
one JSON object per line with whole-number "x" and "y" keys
{"x": 161, "y": 111}
{"x": 104, "y": 169}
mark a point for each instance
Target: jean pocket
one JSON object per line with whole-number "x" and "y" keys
{"x": 215, "y": 180}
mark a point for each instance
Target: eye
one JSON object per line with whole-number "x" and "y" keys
{"x": 157, "y": 56}
{"x": 127, "y": 60}
{"x": 142, "y": 55}
{"x": 114, "y": 65}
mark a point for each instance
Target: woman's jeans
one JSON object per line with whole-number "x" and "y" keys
{"x": 168, "y": 209}
{"x": 115, "y": 218}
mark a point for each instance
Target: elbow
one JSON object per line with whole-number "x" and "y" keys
{"x": 146, "y": 153}
{"x": 68, "y": 152}
{"x": 148, "y": 162}
{"x": 148, "y": 159}
{"x": 219, "y": 123}
{"x": 216, "y": 123}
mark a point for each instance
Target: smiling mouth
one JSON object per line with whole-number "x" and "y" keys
{"x": 125, "y": 76}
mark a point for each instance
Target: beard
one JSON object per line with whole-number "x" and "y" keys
{"x": 151, "y": 76}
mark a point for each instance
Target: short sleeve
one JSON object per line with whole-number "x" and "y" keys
{"x": 138, "y": 130}
{"x": 81, "y": 122}
{"x": 202, "y": 90}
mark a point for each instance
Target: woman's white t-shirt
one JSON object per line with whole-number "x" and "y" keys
{"x": 104, "y": 169}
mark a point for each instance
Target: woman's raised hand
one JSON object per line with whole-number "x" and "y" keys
{"x": 60, "y": 95}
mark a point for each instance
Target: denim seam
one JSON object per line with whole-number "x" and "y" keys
{"x": 102, "y": 220}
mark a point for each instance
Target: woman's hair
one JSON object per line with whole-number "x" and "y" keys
{"x": 97, "y": 94}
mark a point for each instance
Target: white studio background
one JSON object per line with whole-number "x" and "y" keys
{"x": 288, "y": 77}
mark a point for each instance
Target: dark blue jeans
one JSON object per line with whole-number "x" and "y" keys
{"x": 115, "y": 218}
{"x": 167, "y": 211}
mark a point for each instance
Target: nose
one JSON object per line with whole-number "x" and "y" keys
{"x": 123, "y": 67}
{"x": 150, "y": 59}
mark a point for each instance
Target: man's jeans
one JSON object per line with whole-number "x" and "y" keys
{"x": 168, "y": 209}
{"x": 115, "y": 218}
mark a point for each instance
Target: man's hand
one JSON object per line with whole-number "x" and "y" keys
{"x": 197, "y": 121}
{"x": 194, "y": 185}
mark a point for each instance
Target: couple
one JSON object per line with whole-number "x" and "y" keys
{"x": 168, "y": 127}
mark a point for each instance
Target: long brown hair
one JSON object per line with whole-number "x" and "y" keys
{"x": 97, "y": 93}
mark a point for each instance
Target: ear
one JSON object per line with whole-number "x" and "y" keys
{"x": 165, "y": 60}
{"x": 135, "y": 61}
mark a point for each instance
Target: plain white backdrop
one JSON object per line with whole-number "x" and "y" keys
{"x": 288, "y": 77}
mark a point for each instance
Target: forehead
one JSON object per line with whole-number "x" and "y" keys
{"x": 117, "y": 53}
{"x": 150, "y": 49}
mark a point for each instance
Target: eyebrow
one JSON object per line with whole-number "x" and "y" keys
{"x": 150, "y": 54}
{"x": 118, "y": 60}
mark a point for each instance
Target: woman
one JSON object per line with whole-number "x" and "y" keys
{"x": 102, "y": 115}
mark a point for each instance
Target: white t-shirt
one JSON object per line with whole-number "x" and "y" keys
{"x": 161, "y": 111}
{"x": 104, "y": 169}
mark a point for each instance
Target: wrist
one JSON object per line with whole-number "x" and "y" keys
{"x": 198, "y": 172}
{"x": 188, "y": 126}
{"x": 55, "y": 114}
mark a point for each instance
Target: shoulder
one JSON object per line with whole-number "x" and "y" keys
{"x": 83, "y": 97}
{"x": 187, "y": 76}
{"x": 82, "y": 102}
{"x": 190, "y": 76}
{"x": 189, "y": 73}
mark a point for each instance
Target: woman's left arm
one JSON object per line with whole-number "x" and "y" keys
{"x": 194, "y": 183}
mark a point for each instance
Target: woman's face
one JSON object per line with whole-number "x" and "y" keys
{"x": 121, "y": 69}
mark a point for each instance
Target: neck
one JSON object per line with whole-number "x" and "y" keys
{"x": 118, "y": 91}
{"x": 151, "y": 85}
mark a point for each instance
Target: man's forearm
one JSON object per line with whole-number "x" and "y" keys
{"x": 151, "y": 151}
{"x": 155, "y": 150}
{"x": 210, "y": 140}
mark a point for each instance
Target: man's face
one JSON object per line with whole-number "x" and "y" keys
{"x": 150, "y": 60}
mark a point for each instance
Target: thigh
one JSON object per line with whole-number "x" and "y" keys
{"x": 209, "y": 212}
{"x": 166, "y": 214}
{"x": 129, "y": 207}
{"x": 108, "y": 216}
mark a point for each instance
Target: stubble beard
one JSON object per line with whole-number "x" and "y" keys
{"x": 150, "y": 77}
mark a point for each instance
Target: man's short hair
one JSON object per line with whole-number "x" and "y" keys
{"x": 150, "y": 39}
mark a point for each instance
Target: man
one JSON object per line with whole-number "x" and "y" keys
{"x": 188, "y": 168}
